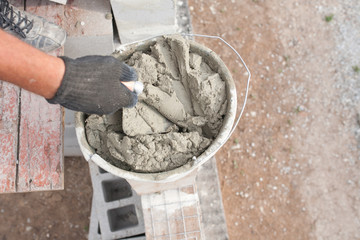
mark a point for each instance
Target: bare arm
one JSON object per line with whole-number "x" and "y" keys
{"x": 91, "y": 84}
{"x": 29, "y": 68}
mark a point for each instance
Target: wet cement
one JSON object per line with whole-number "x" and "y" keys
{"x": 177, "y": 117}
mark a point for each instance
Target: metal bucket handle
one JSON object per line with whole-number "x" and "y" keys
{"x": 244, "y": 64}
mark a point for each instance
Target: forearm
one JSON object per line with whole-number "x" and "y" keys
{"x": 28, "y": 67}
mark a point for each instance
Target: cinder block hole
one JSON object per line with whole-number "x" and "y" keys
{"x": 99, "y": 230}
{"x": 121, "y": 218}
{"x": 137, "y": 236}
{"x": 102, "y": 170}
{"x": 116, "y": 189}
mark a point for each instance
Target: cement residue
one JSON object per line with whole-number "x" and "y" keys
{"x": 157, "y": 152}
{"x": 178, "y": 115}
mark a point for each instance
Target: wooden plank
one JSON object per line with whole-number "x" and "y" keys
{"x": 40, "y": 150}
{"x": 41, "y": 163}
{"x": 9, "y": 109}
{"x": 41, "y": 132}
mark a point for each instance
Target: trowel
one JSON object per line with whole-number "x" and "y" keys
{"x": 134, "y": 86}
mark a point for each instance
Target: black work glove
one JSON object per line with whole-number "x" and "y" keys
{"x": 92, "y": 84}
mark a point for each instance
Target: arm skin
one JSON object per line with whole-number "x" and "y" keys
{"x": 28, "y": 67}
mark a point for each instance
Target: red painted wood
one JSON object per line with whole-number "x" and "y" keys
{"x": 41, "y": 164}
{"x": 40, "y": 136}
{"x": 19, "y": 4}
{"x": 40, "y": 151}
{"x": 9, "y": 109}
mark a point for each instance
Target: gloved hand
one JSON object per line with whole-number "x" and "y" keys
{"x": 91, "y": 84}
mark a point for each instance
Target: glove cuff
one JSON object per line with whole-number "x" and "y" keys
{"x": 64, "y": 84}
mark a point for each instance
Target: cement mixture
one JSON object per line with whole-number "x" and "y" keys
{"x": 177, "y": 117}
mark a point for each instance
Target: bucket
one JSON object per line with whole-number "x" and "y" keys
{"x": 229, "y": 123}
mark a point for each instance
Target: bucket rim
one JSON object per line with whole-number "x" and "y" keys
{"x": 177, "y": 173}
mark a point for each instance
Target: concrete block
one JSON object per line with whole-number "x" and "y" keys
{"x": 142, "y": 237}
{"x": 117, "y": 206}
{"x": 71, "y": 145}
{"x": 94, "y": 228}
{"x": 212, "y": 209}
{"x": 116, "y": 189}
{"x": 79, "y": 46}
{"x": 140, "y": 19}
{"x": 122, "y": 218}
{"x": 89, "y": 27}
{"x": 95, "y": 232}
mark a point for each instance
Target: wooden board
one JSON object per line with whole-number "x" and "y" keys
{"x": 40, "y": 145}
{"x": 32, "y": 130}
{"x": 9, "y": 109}
{"x": 41, "y": 165}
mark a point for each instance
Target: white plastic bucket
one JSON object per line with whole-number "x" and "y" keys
{"x": 226, "y": 130}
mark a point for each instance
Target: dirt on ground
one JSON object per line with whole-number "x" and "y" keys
{"x": 291, "y": 168}
{"x": 62, "y": 215}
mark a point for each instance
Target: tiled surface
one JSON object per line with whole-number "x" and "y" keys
{"x": 172, "y": 214}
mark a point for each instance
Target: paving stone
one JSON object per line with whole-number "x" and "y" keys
{"x": 79, "y": 46}
{"x": 140, "y": 19}
{"x": 89, "y": 28}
